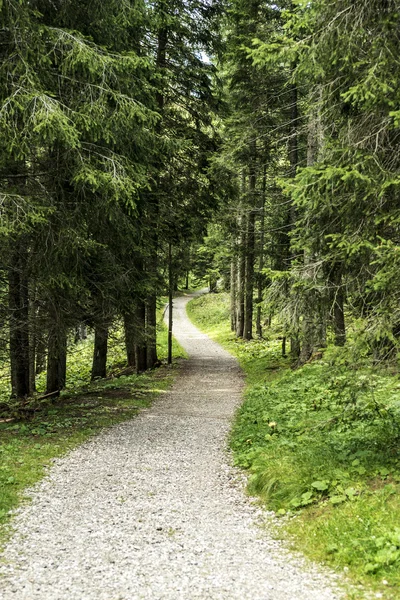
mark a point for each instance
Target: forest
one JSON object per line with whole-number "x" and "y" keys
{"x": 127, "y": 127}
{"x": 247, "y": 145}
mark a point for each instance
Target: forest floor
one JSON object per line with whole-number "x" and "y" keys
{"x": 152, "y": 508}
{"x": 31, "y": 438}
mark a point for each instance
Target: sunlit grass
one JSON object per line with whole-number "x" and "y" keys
{"x": 321, "y": 447}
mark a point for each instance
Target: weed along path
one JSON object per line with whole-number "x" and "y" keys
{"x": 151, "y": 509}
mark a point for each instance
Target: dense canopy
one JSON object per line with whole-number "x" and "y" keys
{"x": 251, "y": 142}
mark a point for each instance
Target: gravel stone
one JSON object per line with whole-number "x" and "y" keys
{"x": 153, "y": 509}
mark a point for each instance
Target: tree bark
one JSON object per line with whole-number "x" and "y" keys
{"x": 293, "y": 150}
{"x": 320, "y": 329}
{"x": 151, "y": 330}
{"x": 295, "y": 346}
{"x": 140, "y": 345}
{"x": 241, "y": 276}
{"x": 56, "y": 358}
{"x": 32, "y": 348}
{"x": 233, "y": 293}
{"x": 80, "y": 333}
{"x": 249, "y": 287}
{"x": 41, "y": 338}
{"x": 338, "y": 320}
{"x": 314, "y": 323}
{"x": 161, "y": 62}
{"x": 250, "y": 249}
{"x": 99, "y": 366}
{"x": 130, "y": 336}
{"x": 292, "y": 216}
{"x": 151, "y": 304}
{"x": 308, "y": 337}
{"x": 170, "y": 302}
{"x": 338, "y": 297}
{"x": 260, "y": 277}
{"x": 19, "y": 322}
{"x": 40, "y": 354}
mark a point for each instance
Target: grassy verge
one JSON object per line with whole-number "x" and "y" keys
{"x": 28, "y": 446}
{"x": 321, "y": 446}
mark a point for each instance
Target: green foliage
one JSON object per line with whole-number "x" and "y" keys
{"x": 333, "y": 427}
{"x": 45, "y": 429}
{"x": 104, "y": 159}
{"x": 210, "y": 311}
{"x": 346, "y": 199}
{"x": 320, "y": 444}
{"x": 211, "y": 259}
{"x": 28, "y": 446}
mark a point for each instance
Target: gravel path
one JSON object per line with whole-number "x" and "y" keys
{"x": 151, "y": 509}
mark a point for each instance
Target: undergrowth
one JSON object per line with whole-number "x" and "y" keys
{"x": 50, "y": 428}
{"x": 80, "y": 355}
{"x": 321, "y": 447}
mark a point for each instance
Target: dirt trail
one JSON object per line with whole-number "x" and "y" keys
{"x": 151, "y": 509}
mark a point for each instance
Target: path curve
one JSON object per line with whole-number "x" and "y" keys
{"x": 151, "y": 509}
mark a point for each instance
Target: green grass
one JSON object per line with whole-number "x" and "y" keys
{"x": 321, "y": 447}
{"x": 50, "y": 429}
{"x": 258, "y": 358}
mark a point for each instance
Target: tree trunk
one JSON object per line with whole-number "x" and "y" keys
{"x": 241, "y": 277}
{"x": 292, "y": 216}
{"x": 260, "y": 277}
{"x": 250, "y": 252}
{"x": 321, "y": 323}
{"x": 19, "y": 322}
{"x": 130, "y": 336}
{"x": 308, "y": 338}
{"x": 170, "y": 302}
{"x": 312, "y": 328}
{"x": 295, "y": 346}
{"x": 249, "y": 287}
{"x": 80, "y": 333}
{"x": 151, "y": 331}
{"x": 34, "y": 332}
{"x": 151, "y": 304}
{"x": 99, "y": 366}
{"x": 293, "y": 150}
{"x": 161, "y": 61}
{"x": 314, "y": 319}
{"x": 338, "y": 320}
{"x": 233, "y": 291}
{"x": 56, "y": 358}
{"x": 40, "y": 354}
{"x": 339, "y": 325}
{"x": 140, "y": 346}
{"x": 41, "y": 337}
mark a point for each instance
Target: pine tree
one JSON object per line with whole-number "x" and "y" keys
{"x": 70, "y": 112}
